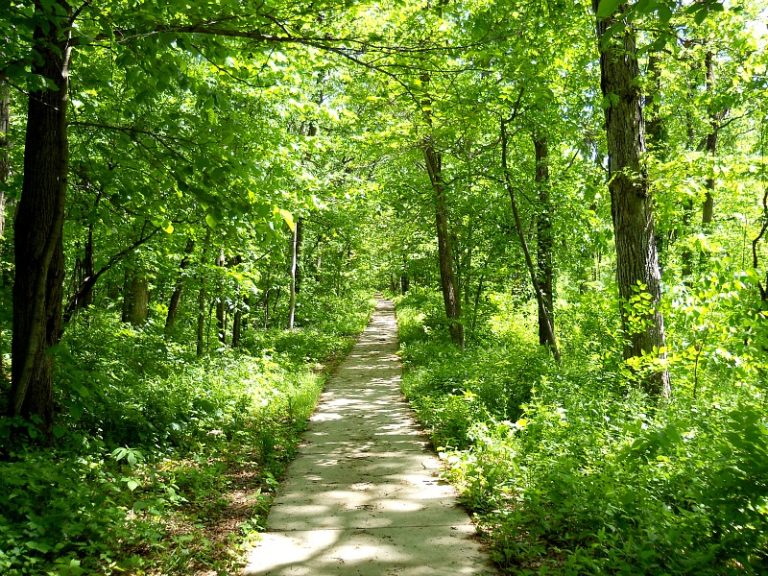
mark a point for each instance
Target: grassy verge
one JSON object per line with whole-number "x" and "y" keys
{"x": 162, "y": 464}
{"x": 571, "y": 470}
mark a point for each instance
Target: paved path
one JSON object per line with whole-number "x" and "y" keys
{"x": 362, "y": 497}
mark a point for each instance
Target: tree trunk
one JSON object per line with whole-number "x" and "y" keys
{"x": 637, "y": 264}
{"x": 708, "y": 209}
{"x": 201, "y": 317}
{"x": 201, "y": 297}
{"x": 173, "y": 305}
{"x": 237, "y": 324}
{"x": 448, "y": 282}
{"x": 544, "y": 312}
{"x": 710, "y": 145}
{"x": 656, "y": 136}
{"x": 295, "y": 273}
{"x": 221, "y": 327}
{"x": 405, "y": 283}
{"x": 38, "y": 242}
{"x": 136, "y": 297}
{"x": 84, "y": 290}
{"x": 5, "y": 172}
{"x": 87, "y": 268}
{"x": 655, "y": 128}
{"x": 266, "y": 297}
{"x": 686, "y": 255}
{"x": 5, "y": 165}
{"x": 544, "y": 270}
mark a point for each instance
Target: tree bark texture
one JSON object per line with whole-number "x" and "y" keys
{"x": 544, "y": 269}
{"x": 655, "y": 127}
{"x": 38, "y": 243}
{"x": 448, "y": 282}
{"x": 637, "y": 263}
{"x": 136, "y": 297}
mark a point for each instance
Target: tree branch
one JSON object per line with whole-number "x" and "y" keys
{"x": 88, "y": 283}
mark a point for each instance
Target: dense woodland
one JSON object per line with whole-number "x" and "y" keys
{"x": 567, "y": 200}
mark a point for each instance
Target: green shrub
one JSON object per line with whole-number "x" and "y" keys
{"x": 147, "y": 440}
{"x": 572, "y": 469}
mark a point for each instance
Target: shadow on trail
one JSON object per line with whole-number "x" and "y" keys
{"x": 362, "y": 497}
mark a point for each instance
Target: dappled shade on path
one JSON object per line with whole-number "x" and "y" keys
{"x": 363, "y": 498}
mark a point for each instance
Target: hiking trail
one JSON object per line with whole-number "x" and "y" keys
{"x": 363, "y": 497}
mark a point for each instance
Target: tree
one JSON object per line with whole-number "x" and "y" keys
{"x": 448, "y": 282}
{"x": 296, "y": 241}
{"x": 178, "y": 289}
{"x": 38, "y": 240}
{"x": 544, "y": 312}
{"x": 637, "y": 262}
{"x": 5, "y": 165}
{"x": 545, "y": 275}
{"x": 5, "y": 170}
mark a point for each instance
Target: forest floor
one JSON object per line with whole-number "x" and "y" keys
{"x": 363, "y": 496}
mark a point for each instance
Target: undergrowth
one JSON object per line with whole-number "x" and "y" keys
{"x": 572, "y": 470}
{"x": 161, "y": 463}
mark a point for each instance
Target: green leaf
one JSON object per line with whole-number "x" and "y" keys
{"x": 665, "y": 14}
{"x": 607, "y": 8}
{"x": 210, "y": 219}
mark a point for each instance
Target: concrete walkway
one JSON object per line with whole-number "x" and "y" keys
{"x": 362, "y": 497}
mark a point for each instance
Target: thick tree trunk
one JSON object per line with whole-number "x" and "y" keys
{"x": 637, "y": 264}
{"x": 656, "y": 135}
{"x": 544, "y": 269}
{"x": 655, "y": 127}
{"x": 38, "y": 241}
{"x": 296, "y": 239}
{"x": 178, "y": 289}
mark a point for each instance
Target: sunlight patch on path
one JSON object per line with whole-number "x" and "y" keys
{"x": 363, "y": 497}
